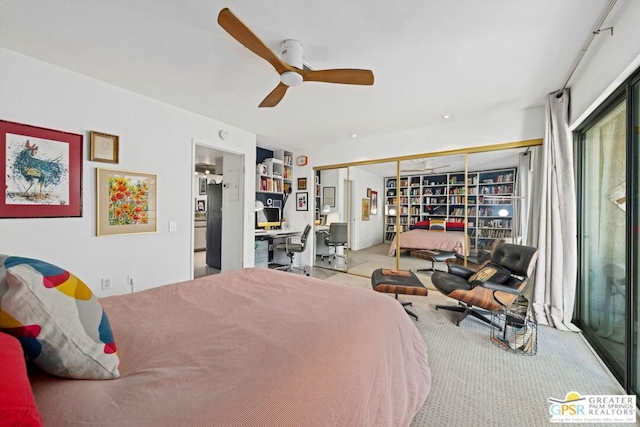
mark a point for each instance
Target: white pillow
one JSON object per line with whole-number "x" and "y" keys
{"x": 58, "y": 320}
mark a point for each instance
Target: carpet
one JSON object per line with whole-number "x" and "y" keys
{"x": 475, "y": 383}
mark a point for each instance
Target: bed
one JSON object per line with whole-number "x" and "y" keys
{"x": 456, "y": 241}
{"x": 250, "y": 347}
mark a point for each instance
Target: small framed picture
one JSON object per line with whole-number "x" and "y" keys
{"x": 368, "y": 192}
{"x": 302, "y": 201}
{"x": 302, "y": 184}
{"x": 374, "y": 203}
{"x": 203, "y": 185}
{"x": 366, "y": 206}
{"x": 329, "y": 196}
{"x": 201, "y": 205}
{"x": 104, "y": 147}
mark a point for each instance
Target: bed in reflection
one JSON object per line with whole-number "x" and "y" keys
{"x": 455, "y": 241}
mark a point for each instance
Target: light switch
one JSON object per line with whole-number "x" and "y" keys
{"x": 173, "y": 226}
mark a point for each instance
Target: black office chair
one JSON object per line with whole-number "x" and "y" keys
{"x": 496, "y": 286}
{"x": 292, "y": 247}
{"x": 337, "y": 238}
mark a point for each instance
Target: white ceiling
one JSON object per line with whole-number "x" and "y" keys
{"x": 429, "y": 58}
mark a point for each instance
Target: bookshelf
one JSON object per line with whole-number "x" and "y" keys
{"x": 488, "y": 196}
{"x": 274, "y": 175}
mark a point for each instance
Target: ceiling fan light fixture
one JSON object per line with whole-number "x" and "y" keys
{"x": 291, "y": 78}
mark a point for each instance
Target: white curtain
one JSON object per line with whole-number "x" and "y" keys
{"x": 554, "y": 228}
{"x": 527, "y": 184}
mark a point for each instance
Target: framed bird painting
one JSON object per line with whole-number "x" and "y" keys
{"x": 43, "y": 176}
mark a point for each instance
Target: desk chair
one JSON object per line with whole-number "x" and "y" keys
{"x": 291, "y": 247}
{"x": 337, "y": 237}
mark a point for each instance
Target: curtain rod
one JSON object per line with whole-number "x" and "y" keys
{"x": 594, "y": 33}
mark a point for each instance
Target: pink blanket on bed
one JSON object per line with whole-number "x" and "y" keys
{"x": 432, "y": 239}
{"x": 247, "y": 348}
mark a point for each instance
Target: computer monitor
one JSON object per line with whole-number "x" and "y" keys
{"x": 268, "y": 218}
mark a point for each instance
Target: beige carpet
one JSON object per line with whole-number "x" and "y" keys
{"x": 476, "y": 383}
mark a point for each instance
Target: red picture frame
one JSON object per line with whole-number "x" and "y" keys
{"x": 43, "y": 172}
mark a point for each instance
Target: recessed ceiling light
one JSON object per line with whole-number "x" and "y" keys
{"x": 446, "y": 116}
{"x": 353, "y": 135}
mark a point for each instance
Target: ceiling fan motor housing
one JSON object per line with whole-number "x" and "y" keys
{"x": 291, "y": 53}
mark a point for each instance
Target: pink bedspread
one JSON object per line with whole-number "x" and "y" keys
{"x": 248, "y": 348}
{"x": 430, "y": 239}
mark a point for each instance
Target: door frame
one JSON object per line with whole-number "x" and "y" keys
{"x": 238, "y": 227}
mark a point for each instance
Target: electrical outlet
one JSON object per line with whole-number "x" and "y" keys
{"x": 106, "y": 283}
{"x": 173, "y": 226}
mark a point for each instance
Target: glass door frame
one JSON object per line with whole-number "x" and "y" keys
{"x": 398, "y": 159}
{"x": 624, "y": 374}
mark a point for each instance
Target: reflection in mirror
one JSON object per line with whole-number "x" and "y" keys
{"x": 498, "y": 202}
{"x": 370, "y": 218}
{"x": 480, "y": 199}
{"x": 432, "y": 214}
{"x": 331, "y": 228}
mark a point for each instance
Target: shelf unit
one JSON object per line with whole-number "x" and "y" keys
{"x": 318, "y": 195}
{"x": 488, "y": 195}
{"x": 275, "y": 175}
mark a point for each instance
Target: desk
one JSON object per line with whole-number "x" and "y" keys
{"x": 264, "y": 244}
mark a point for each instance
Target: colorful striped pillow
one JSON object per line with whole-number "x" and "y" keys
{"x": 438, "y": 224}
{"x": 58, "y": 320}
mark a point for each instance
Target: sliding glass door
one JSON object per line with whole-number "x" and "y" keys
{"x": 603, "y": 233}
{"x": 608, "y": 170}
{"x": 634, "y": 256}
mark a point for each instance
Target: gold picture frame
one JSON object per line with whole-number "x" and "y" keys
{"x": 104, "y": 147}
{"x": 127, "y": 202}
{"x": 302, "y": 183}
{"x": 366, "y": 208}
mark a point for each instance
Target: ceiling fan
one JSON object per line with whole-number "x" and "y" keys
{"x": 427, "y": 167}
{"x": 290, "y": 66}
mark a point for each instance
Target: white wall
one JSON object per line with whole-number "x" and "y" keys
{"x": 154, "y": 137}
{"x": 367, "y": 233}
{"x": 608, "y": 61}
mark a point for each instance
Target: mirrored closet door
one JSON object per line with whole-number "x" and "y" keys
{"x": 331, "y": 226}
{"x": 393, "y": 209}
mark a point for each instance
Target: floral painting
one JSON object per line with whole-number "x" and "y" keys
{"x": 37, "y": 171}
{"x": 126, "y": 202}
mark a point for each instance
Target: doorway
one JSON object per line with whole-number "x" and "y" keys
{"x": 217, "y": 208}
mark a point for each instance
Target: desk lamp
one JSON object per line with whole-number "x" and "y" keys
{"x": 325, "y": 210}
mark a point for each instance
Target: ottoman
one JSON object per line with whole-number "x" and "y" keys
{"x": 434, "y": 256}
{"x": 398, "y": 282}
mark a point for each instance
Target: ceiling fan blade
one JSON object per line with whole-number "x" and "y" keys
{"x": 239, "y": 31}
{"x": 275, "y": 96}
{"x": 348, "y": 76}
